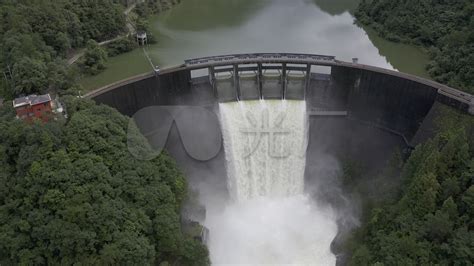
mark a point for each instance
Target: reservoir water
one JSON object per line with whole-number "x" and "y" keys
{"x": 196, "y": 28}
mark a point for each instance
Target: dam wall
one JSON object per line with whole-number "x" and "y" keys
{"x": 383, "y": 100}
{"x": 357, "y": 113}
{"x": 131, "y": 95}
{"x": 395, "y": 102}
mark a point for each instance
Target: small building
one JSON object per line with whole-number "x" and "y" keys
{"x": 142, "y": 38}
{"x": 33, "y": 106}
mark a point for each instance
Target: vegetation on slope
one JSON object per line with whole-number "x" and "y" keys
{"x": 430, "y": 222}
{"x": 429, "y": 219}
{"x": 71, "y": 192}
{"x": 445, "y": 28}
{"x": 35, "y": 37}
{"x": 94, "y": 58}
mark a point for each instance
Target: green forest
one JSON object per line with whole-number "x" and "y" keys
{"x": 429, "y": 218}
{"x": 37, "y": 37}
{"x": 444, "y": 28}
{"x": 70, "y": 192}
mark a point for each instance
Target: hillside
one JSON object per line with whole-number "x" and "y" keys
{"x": 444, "y": 28}
{"x": 430, "y": 220}
{"x": 71, "y": 192}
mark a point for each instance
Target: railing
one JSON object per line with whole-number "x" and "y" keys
{"x": 257, "y": 58}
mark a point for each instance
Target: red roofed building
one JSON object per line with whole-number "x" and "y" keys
{"x": 33, "y": 106}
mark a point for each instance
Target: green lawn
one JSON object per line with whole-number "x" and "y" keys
{"x": 118, "y": 68}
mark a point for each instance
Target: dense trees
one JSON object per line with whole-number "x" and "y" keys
{"x": 94, "y": 58}
{"x": 431, "y": 222}
{"x": 121, "y": 46}
{"x": 445, "y": 28}
{"x": 35, "y": 35}
{"x": 71, "y": 192}
{"x": 64, "y": 24}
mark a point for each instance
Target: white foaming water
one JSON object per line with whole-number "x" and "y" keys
{"x": 264, "y": 141}
{"x": 270, "y": 221}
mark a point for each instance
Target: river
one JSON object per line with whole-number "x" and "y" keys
{"x": 198, "y": 28}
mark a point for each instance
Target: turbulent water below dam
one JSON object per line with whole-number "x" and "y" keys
{"x": 270, "y": 220}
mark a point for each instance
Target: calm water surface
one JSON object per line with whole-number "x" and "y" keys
{"x": 198, "y": 28}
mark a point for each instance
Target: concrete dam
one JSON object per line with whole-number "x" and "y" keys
{"x": 221, "y": 116}
{"x": 389, "y": 100}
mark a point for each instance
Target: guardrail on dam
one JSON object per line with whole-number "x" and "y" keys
{"x": 393, "y": 101}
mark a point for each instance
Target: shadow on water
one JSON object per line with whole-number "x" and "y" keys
{"x": 403, "y": 57}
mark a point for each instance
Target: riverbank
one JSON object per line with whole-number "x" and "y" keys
{"x": 446, "y": 30}
{"x": 128, "y": 64}
{"x": 398, "y": 54}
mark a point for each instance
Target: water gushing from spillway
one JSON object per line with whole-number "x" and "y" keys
{"x": 264, "y": 144}
{"x": 270, "y": 219}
